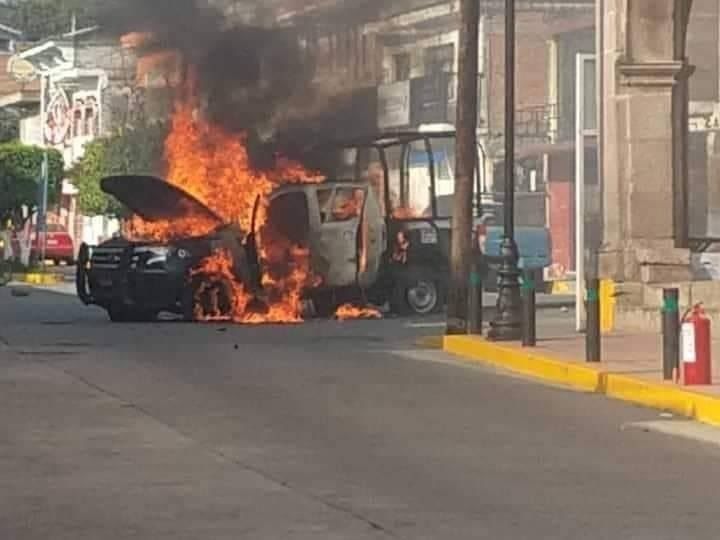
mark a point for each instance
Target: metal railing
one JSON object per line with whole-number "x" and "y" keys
{"x": 537, "y": 122}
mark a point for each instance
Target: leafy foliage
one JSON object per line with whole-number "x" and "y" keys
{"x": 20, "y": 167}
{"x": 131, "y": 151}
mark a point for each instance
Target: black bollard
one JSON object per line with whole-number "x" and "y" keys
{"x": 529, "y": 322}
{"x": 592, "y": 334}
{"x": 475, "y": 302}
{"x": 671, "y": 334}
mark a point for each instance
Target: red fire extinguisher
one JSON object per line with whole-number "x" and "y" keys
{"x": 696, "y": 360}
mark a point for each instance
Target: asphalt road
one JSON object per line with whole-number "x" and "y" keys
{"x": 325, "y": 430}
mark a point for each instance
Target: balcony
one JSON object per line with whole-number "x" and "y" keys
{"x": 537, "y": 123}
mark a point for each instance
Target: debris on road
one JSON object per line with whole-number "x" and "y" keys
{"x": 20, "y": 292}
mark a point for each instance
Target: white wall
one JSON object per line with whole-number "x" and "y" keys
{"x": 30, "y": 130}
{"x": 98, "y": 229}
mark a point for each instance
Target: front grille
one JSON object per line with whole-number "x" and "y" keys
{"x": 106, "y": 258}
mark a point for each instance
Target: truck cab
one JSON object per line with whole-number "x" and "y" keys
{"x": 413, "y": 176}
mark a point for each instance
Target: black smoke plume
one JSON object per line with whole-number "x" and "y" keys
{"x": 244, "y": 74}
{"x": 252, "y": 80}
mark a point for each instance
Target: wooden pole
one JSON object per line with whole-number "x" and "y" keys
{"x": 466, "y": 160}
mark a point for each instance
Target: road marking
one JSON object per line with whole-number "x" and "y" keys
{"x": 686, "y": 429}
{"x": 439, "y": 324}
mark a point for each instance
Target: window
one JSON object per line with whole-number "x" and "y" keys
{"x": 324, "y": 197}
{"x": 78, "y": 123}
{"x": 415, "y": 201}
{"x": 347, "y": 204}
{"x": 89, "y": 121}
{"x": 401, "y": 67}
{"x": 288, "y": 218}
{"x": 371, "y": 171}
{"x": 439, "y": 59}
{"x": 364, "y": 54}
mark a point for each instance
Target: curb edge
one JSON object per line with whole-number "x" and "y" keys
{"x": 36, "y": 278}
{"x": 620, "y": 386}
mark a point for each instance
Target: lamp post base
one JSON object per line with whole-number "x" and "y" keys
{"x": 507, "y": 324}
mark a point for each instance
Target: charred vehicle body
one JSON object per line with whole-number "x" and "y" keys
{"x": 338, "y": 222}
{"x": 134, "y": 281}
{"x": 412, "y": 175}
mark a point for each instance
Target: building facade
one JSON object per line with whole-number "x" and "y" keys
{"x": 76, "y": 91}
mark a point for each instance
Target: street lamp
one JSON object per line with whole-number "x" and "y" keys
{"x": 506, "y": 324}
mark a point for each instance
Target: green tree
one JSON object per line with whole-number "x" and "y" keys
{"x": 20, "y": 167}
{"x": 131, "y": 151}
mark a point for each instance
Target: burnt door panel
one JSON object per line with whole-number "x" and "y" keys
{"x": 372, "y": 241}
{"x": 335, "y": 247}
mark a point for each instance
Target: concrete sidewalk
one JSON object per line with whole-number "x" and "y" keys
{"x": 631, "y": 369}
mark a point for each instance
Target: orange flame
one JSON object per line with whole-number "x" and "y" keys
{"x": 349, "y": 311}
{"x": 166, "y": 230}
{"x": 350, "y": 207}
{"x": 403, "y": 212}
{"x": 213, "y": 165}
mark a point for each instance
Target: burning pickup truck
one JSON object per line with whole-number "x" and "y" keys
{"x": 320, "y": 242}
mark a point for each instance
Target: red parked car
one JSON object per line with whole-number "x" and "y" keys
{"x": 58, "y": 248}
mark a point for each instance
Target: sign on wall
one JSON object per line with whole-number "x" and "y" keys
{"x": 704, "y": 123}
{"x": 57, "y": 118}
{"x": 21, "y": 69}
{"x": 430, "y": 97}
{"x": 394, "y": 105}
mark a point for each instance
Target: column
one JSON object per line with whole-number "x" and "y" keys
{"x": 645, "y": 141}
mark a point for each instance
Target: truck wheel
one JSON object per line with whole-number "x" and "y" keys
{"x": 324, "y": 304}
{"x": 417, "y": 293}
{"x": 210, "y": 296}
{"x": 117, "y": 313}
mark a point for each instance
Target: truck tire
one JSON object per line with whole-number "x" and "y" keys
{"x": 324, "y": 304}
{"x": 82, "y": 286}
{"x": 417, "y": 292}
{"x": 200, "y": 295}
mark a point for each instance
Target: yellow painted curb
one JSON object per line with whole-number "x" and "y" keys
{"x": 666, "y": 397}
{"x": 522, "y": 361}
{"x": 563, "y": 287}
{"x": 430, "y": 342}
{"x": 36, "y": 278}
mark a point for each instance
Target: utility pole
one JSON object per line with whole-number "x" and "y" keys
{"x": 466, "y": 160}
{"x": 506, "y": 325}
{"x": 76, "y": 32}
{"x": 41, "y": 231}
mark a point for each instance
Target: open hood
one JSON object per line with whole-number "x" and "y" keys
{"x": 154, "y": 199}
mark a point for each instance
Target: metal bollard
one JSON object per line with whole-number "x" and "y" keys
{"x": 475, "y": 302}
{"x": 529, "y": 322}
{"x": 592, "y": 332}
{"x": 671, "y": 334}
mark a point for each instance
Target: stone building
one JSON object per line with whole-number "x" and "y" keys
{"x": 659, "y": 66}
{"x": 76, "y": 90}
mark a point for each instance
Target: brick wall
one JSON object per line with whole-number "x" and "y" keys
{"x": 561, "y": 211}
{"x": 533, "y": 32}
